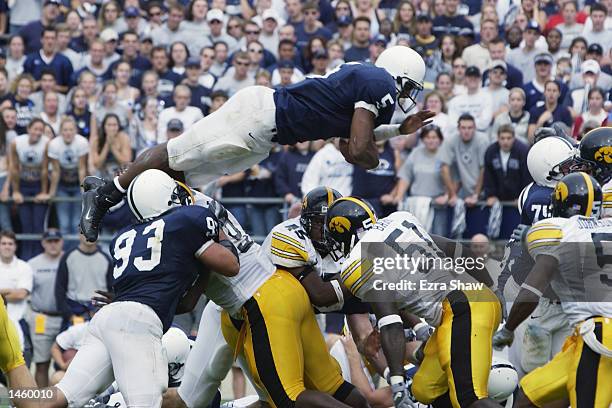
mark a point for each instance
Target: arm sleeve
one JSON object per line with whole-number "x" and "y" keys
{"x": 489, "y": 184}
{"x": 52, "y": 150}
{"x": 544, "y": 238}
{"x": 289, "y": 250}
{"x": 375, "y": 93}
{"x": 61, "y": 285}
{"x": 406, "y": 172}
{"x": 26, "y": 278}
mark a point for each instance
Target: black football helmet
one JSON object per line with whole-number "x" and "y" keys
{"x": 595, "y": 154}
{"x": 576, "y": 194}
{"x": 314, "y": 208}
{"x": 346, "y": 220}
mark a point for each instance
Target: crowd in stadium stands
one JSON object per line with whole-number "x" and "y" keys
{"x": 86, "y": 85}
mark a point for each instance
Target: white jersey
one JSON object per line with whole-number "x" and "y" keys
{"x": 30, "y": 157}
{"x": 418, "y": 287}
{"x": 68, "y": 156}
{"x": 606, "y": 205}
{"x": 289, "y": 246}
{"x": 231, "y": 292}
{"x": 582, "y": 246}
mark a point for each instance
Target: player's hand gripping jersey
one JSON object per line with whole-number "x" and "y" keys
{"x": 583, "y": 247}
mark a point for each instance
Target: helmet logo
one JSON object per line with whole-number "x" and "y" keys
{"x": 304, "y": 203}
{"x": 561, "y": 191}
{"x": 604, "y": 154}
{"x": 339, "y": 224}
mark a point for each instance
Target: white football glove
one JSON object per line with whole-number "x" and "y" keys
{"x": 402, "y": 396}
{"x": 423, "y": 331}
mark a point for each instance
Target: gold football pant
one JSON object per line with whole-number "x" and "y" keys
{"x": 458, "y": 354}
{"x": 283, "y": 345}
{"x": 576, "y": 372}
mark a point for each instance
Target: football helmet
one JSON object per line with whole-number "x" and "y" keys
{"x": 549, "y": 159}
{"x": 176, "y": 346}
{"x": 347, "y": 220}
{"x": 595, "y": 154}
{"x": 407, "y": 68}
{"x": 314, "y": 208}
{"x": 576, "y": 194}
{"x": 153, "y": 192}
{"x": 503, "y": 380}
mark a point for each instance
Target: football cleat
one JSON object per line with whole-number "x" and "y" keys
{"x": 92, "y": 182}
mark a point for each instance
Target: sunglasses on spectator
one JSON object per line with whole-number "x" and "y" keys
{"x": 253, "y": 32}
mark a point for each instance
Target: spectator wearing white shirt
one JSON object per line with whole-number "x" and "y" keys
{"x": 522, "y": 57}
{"x": 269, "y": 30}
{"x": 478, "y": 54}
{"x": 477, "y": 102}
{"x": 570, "y": 29}
{"x": 598, "y": 33}
{"x": 496, "y": 90}
{"x": 328, "y": 168}
{"x": 216, "y": 22}
{"x": 172, "y": 30}
{"x": 588, "y": 24}
{"x": 15, "y": 281}
{"x": 237, "y": 77}
{"x": 16, "y": 57}
{"x": 181, "y": 110}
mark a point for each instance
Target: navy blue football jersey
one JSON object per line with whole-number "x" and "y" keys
{"x": 322, "y": 107}
{"x": 156, "y": 261}
{"x": 534, "y": 203}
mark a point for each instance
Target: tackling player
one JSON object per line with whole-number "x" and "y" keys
{"x": 457, "y": 357}
{"x": 354, "y": 102}
{"x": 570, "y": 252}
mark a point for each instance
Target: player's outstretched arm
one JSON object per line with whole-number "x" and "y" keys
{"x": 361, "y": 148}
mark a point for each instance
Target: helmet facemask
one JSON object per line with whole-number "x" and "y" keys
{"x": 181, "y": 195}
{"x": 407, "y": 89}
{"x": 601, "y": 172}
{"x": 314, "y": 225}
{"x": 562, "y": 169}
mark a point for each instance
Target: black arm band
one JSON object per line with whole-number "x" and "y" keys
{"x": 228, "y": 244}
{"x": 305, "y": 273}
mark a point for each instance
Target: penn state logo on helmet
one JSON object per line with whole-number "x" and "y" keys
{"x": 576, "y": 194}
{"x": 347, "y": 219}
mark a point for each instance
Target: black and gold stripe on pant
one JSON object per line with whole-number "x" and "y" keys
{"x": 461, "y": 348}
{"x": 586, "y": 374}
{"x": 264, "y": 360}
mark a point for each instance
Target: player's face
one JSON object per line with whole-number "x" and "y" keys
{"x": 7, "y": 248}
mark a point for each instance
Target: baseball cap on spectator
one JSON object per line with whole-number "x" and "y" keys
{"x": 270, "y": 14}
{"x": 285, "y": 64}
{"x": 466, "y": 32}
{"x": 379, "y": 39}
{"x": 533, "y": 25}
{"x": 193, "y": 62}
{"x": 498, "y": 64}
{"x": 423, "y": 17}
{"x": 591, "y": 66}
{"x": 543, "y": 57}
{"x": 108, "y": 34}
{"x": 595, "y": 49}
{"x": 319, "y": 54}
{"x": 344, "y": 21}
{"x": 214, "y": 14}
{"x": 131, "y": 11}
{"x": 472, "y": 71}
{"x": 147, "y": 38}
{"x": 175, "y": 125}
{"x": 51, "y": 234}
{"x": 55, "y": 2}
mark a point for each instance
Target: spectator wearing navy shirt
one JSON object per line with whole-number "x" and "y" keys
{"x": 79, "y": 111}
{"x": 33, "y": 31}
{"x": 89, "y": 29}
{"x": 506, "y": 174}
{"x": 261, "y": 182}
{"x": 291, "y": 166}
{"x": 20, "y": 99}
{"x": 311, "y": 26}
{"x": 378, "y": 185}
{"x": 48, "y": 57}
{"x": 200, "y": 95}
{"x": 552, "y": 111}
{"x": 131, "y": 47}
{"x": 451, "y": 22}
{"x": 360, "y": 51}
{"x": 167, "y": 78}
{"x": 497, "y": 51}
{"x": 94, "y": 63}
{"x": 534, "y": 90}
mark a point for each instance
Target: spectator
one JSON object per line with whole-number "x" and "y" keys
{"x": 598, "y": 34}
{"x": 107, "y": 103}
{"x": 236, "y": 78}
{"x": 255, "y": 51}
{"x": 33, "y": 32}
{"x": 79, "y": 111}
{"x": 594, "y": 113}
{"x": 534, "y": 90}
{"x": 404, "y": 21}
{"x": 264, "y": 217}
{"x": 219, "y": 64}
{"x": 497, "y": 51}
{"x": 290, "y": 169}
{"x": 155, "y": 14}
{"x": 442, "y": 61}
{"x": 328, "y": 168}
{"x": 110, "y": 38}
{"x": 87, "y": 82}
{"x": 424, "y": 42}
{"x": 498, "y": 94}
{"x": 81, "y": 272}
{"x": 207, "y": 57}
{"x": 505, "y": 171}
{"x": 269, "y": 31}
{"x": 178, "y": 57}
{"x": 550, "y": 112}
{"x": 341, "y": 11}
{"x": 523, "y": 56}
{"x": 458, "y": 76}
{"x": 21, "y": 90}
{"x": 15, "y": 283}
{"x": 579, "y": 97}
{"x": 604, "y": 79}
{"x": 311, "y": 26}
{"x": 514, "y": 37}
{"x": 167, "y": 79}
{"x": 553, "y": 40}
{"x": 588, "y": 24}
{"x": 420, "y": 174}
{"x": 127, "y": 95}
{"x": 434, "y": 101}
{"x": 109, "y": 148}
{"x": 181, "y": 110}
{"x": 51, "y": 114}
{"x": 89, "y": 33}
{"x": 109, "y": 17}
{"x": 319, "y": 62}
{"x": 48, "y": 57}
{"x": 465, "y": 154}
{"x": 359, "y": 51}
{"x": 131, "y": 47}
{"x": 132, "y": 21}
{"x": 67, "y": 155}
{"x": 336, "y": 54}
{"x": 285, "y": 73}
{"x": 9, "y": 118}
{"x": 22, "y": 13}
{"x": 478, "y": 54}
{"x": 263, "y": 78}
{"x": 345, "y": 32}
{"x": 47, "y": 84}
{"x": 29, "y": 178}
{"x": 444, "y": 85}
{"x": 379, "y": 186}
{"x": 172, "y": 29}
{"x": 570, "y": 28}
{"x": 216, "y": 20}
{"x": 46, "y": 320}
{"x": 94, "y": 62}
{"x": 174, "y": 129}
{"x": 516, "y": 116}
{"x": 476, "y": 102}
{"x": 200, "y": 95}
{"x": 146, "y": 127}
{"x": 16, "y": 57}
{"x": 451, "y": 22}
